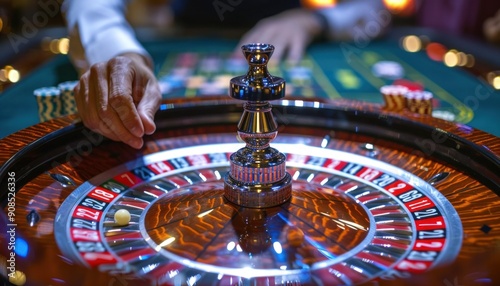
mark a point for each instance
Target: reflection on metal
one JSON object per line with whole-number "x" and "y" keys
{"x": 325, "y": 141}
{"x": 257, "y": 176}
{"x": 370, "y": 149}
{"x": 438, "y": 178}
{"x": 65, "y": 181}
{"x": 32, "y": 217}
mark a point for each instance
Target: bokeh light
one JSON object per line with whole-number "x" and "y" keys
{"x": 436, "y": 51}
{"x": 315, "y": 4}
{"x": 493, "y": 78}
{"x": 3, "y": 75}
{"x": 54, "y": 46}
{"x": 462, "y": 59}
{"x": 63, "y": 46}
{"x": 9, "y": 74}
{"x": 412, "y": 43}
{"x": 496, "y": 82}
{"x": 471, "y": 61}
{"x": 451, "y": 58}
{"x": 400, "y": 7}
{"x": 13, "y": 76}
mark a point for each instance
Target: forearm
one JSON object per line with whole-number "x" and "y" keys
{"x": 99, "y": 31}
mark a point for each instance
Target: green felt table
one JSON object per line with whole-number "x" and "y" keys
{"x": 337, "y": 70}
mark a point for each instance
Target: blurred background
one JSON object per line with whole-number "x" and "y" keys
{"x": 32, "y": 32}
{"x": 28, "y": 37}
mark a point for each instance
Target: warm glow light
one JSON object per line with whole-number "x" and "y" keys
{"x": 451, "y": 58}
{"x": 1, "y": 24}
{"x": 318, "y": 3}
{"x": 471, "y": 61}
{"x": 462, "y": 59}
{"x": 396, "y": 4}
{"x": 13, "y": 76}
{"x": 3, "y": 75}
{"x": 400, "y": 7}
{"x": 54, "y": 46}
{"x": 412, "y": 44}
{"x": 63, "y": 46}
{"x": 496, "y": 82}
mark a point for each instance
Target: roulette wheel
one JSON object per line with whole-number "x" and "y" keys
{"x": 346, "y": 193}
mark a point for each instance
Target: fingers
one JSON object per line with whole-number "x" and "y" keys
{"x": 287, "y": 45}
{"x": 118, "y": 99}
{"x": 107, "y": 109}
{"x": 80, "y": 93}
{"x": 290, "y": 32}
{"x": 85, "y": 97}
{"x": 148, "y": 106}
{"x": 122, "y": 83}
{"x": 265, "y": 32}
{"x": 97, "y": 88}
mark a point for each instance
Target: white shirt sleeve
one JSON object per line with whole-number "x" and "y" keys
{"x": 104, "y": 31}
{"x": 358, "y": 20}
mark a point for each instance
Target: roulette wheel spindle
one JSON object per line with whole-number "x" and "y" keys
{"x": 257, "y": 176}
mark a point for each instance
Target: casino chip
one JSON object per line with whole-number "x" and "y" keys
{"x": 419, "y": 101}
{"x": 394, "y": 97}
{"x": 49, "y": 102}
{"x": 388, "y": 69}
{"x": 67, "y": 97}
{"x": 398, "y": 98}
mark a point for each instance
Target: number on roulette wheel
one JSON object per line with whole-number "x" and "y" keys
{"x": 345, "y": 194}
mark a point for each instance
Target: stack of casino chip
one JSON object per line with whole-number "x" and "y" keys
{"x": 394, "y": 97}
{"x": 49, "y": 102}
{"x": 398, "y": 97}
{"x": 419, "y": 101}
{"x": 67, "y": 96}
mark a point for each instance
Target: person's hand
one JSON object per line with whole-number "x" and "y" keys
{"x": 119, "y": 98}
{"x": 290, "y": 33}
{"x": 491, "y": 28}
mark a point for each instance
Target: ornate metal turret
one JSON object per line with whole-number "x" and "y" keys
{"x": 257, "y": 177}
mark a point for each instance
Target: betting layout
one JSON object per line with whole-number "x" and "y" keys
{"x": 199, "y": 74}
{"x": 356, "y": 75}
